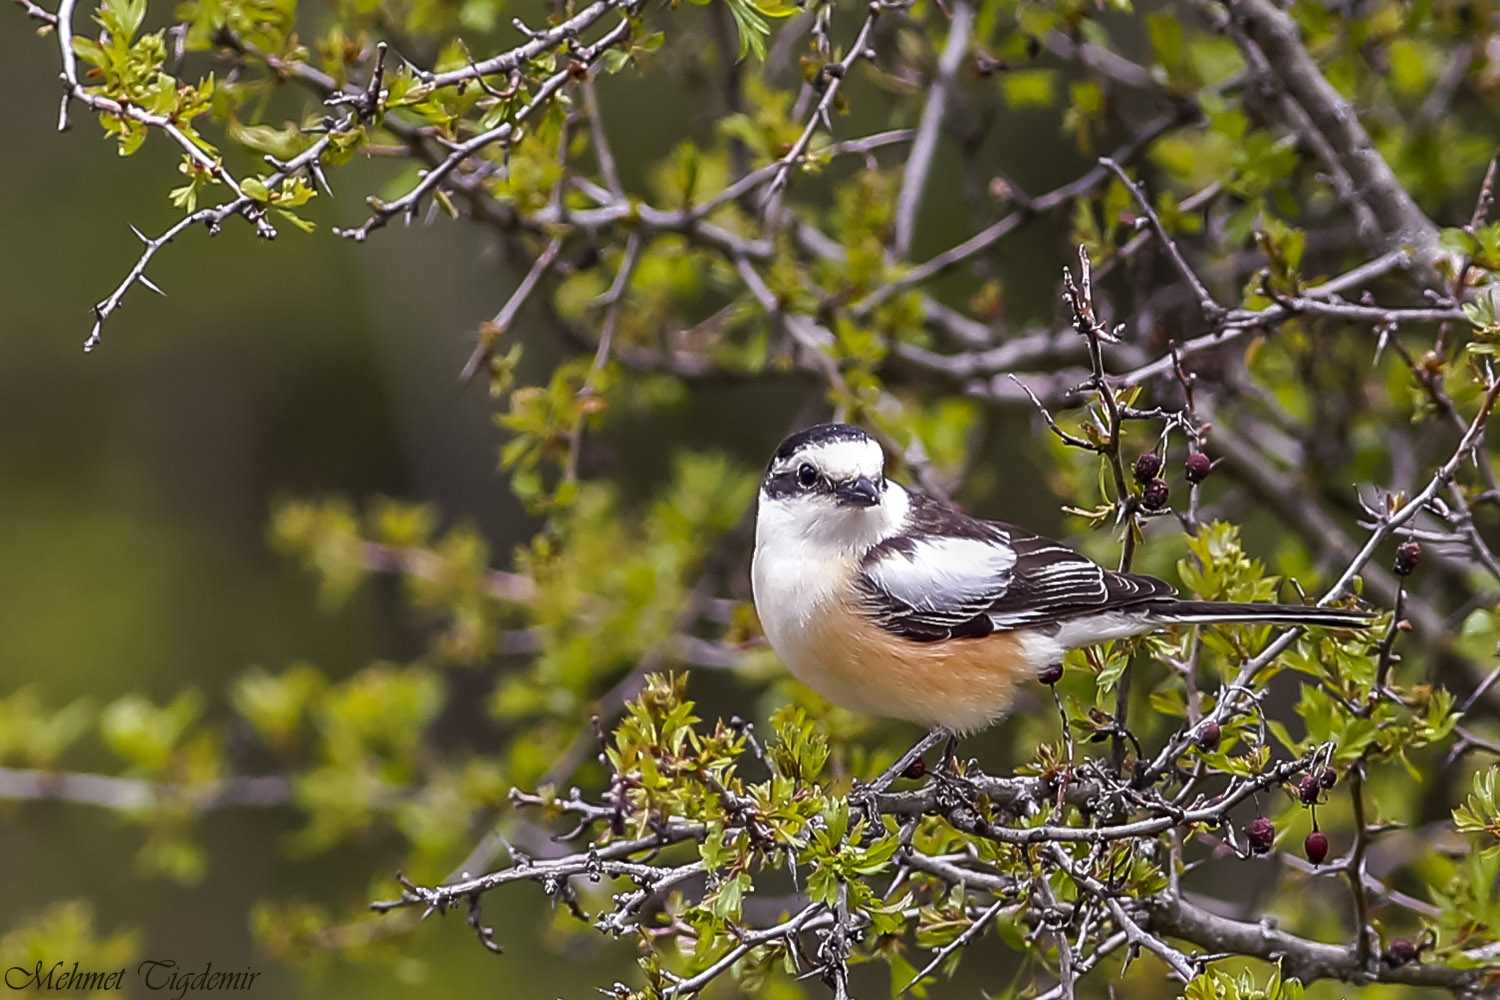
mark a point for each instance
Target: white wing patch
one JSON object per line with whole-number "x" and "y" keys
{"x": 949, "y": 576}
{"x": 945, "y": 575}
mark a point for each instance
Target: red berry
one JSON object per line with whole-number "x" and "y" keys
{"x": 1401, "y": 952}
{"x": 1261, "y": 833}
{"x": 1208, "y": 736}
{"x": 1328, "y": 778}
{"x": 1408, "y": 554}
{"x": 1050, "y": 674}
{"x": 1154, "y": 496}
{"x": 1308, "y": 788}
{"x": 1198, "y": 467}
{"x": 1316, "y": 846}
{"x": 915, "y": 769}
{"x": 1147, "y": 466}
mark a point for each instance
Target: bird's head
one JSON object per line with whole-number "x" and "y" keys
{"x": 827, "y": 483}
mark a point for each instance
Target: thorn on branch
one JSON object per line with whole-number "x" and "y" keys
{"x": 1481, "y": 216}
{"x": 485, "y": 934}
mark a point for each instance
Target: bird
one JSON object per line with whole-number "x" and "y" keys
{"x": 892, "y": 602}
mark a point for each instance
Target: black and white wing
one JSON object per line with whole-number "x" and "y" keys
{"x": 1052, "y": 582}
{"x": 952, "y": 576}
{"x": 935, "y": 587}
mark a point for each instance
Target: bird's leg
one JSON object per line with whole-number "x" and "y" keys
{"x": 895, "y": 771}
{"x": 953, "y": 787}
{"x": 950, "y": 756}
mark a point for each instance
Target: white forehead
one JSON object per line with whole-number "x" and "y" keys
{"x": 840, "y": 460}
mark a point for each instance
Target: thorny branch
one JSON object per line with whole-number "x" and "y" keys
{"x": 1146, "y": 920}
{"x": 830, "y": 79}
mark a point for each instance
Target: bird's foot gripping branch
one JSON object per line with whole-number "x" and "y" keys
{"x": 725, "y": 858}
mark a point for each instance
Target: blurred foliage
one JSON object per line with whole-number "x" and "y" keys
{"x": 677, "y": 286}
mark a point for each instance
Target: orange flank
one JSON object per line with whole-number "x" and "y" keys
{"x": 959, "y": 684}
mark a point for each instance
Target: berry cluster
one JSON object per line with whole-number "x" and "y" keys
{"x": 1261, "y": 832}
{"x": 1154, "y": 490}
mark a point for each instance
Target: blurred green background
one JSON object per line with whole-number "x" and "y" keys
{"x": 135, "y": 486}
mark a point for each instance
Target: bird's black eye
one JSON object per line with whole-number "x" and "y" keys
{"x": 807, "y": 476}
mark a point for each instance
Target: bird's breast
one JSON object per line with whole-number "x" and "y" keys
{"x": 806, "y": 612}
{"x": 793, "y": 593}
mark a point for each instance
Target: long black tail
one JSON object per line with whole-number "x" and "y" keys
{"x": 1209, "y": 612}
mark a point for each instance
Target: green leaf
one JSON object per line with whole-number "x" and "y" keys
{"x": 1030, "y": 88}
{"x": 1166, "y": 37}
{"x": 254, "y": 187}
{"x": 297, "y": 220}
{"x": 752, "y": 27}
{"x": 823, "y": 886}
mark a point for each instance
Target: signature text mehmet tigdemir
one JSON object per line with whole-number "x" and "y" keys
{"x": 157, "y": 975}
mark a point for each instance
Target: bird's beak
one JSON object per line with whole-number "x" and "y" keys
{"x": 862, "y": 492}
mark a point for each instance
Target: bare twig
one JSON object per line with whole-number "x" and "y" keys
{"x": 496, "y": 328}
{"x": 134, "y": 793}
{"x": 914, "y": 178}
{"x": 832, "y": 77}
{"x": 1211, "y": 309}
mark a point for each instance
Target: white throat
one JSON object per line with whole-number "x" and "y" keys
{"x": 807, "y": 550}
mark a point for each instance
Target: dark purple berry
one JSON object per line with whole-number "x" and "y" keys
{"x": 1408, "y": 554}
{"x": 1308, "y": 789}
{"x": 1261, "y": 833}
{"x": 1198, "y": 467}
{"x": 915, "y": 769}
{"x": 1328, "y": 778}
{"x": 1147, "y": 466}
{"x": 1051, "y": 673}
{"x": 1316, "y": 846}
{"x": 1208, "y": 736}
{"x": 1401, "y": 952}
{"x": 1154, "y": 496}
